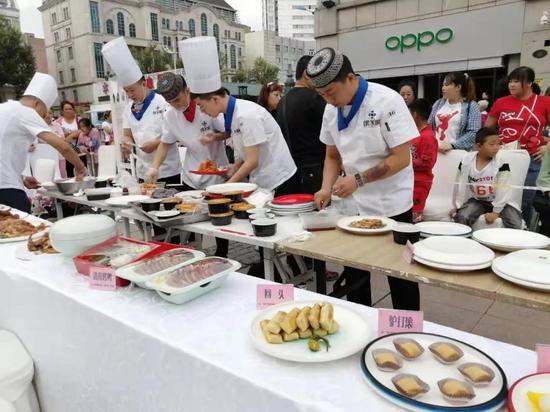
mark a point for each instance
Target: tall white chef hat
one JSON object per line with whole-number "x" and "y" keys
{"x": 200, "y": 61}
{"x": 43, "y": 87}
{"x": 119, "y": 57}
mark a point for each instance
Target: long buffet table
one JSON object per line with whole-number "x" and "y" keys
{"x": 131, "y": 351}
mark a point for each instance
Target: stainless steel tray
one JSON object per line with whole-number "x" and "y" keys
{"x": 182, "y": 219}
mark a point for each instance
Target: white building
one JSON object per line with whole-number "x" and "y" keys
{"x": 10, "y": 11}
{"x": 282, "y": 52}
{"x": 75, "y": 31}
{"x": 296, "y": 19}
{"x": 270, "y": 16}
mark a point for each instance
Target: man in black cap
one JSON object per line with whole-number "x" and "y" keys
{"x": 367, "y": 129}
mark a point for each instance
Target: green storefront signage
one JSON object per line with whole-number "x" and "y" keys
{"x": 419, "y": 40}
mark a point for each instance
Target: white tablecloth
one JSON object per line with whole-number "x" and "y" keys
{"x": 130, "y": 351}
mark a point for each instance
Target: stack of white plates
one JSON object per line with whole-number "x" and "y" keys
{"x": 529, "y": 268}
{"x": 453, "y": 253}
{"x": 510, "y": 240}
{"x": 428, "y": 229}
{"x": 288, "y": 210}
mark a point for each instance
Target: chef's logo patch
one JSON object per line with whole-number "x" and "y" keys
{"x": 158, "y": 110}
{"x": 371, "y": 120}
{"x": 391, "y": 113}
{"x": 372, "y": 115}
{"x": 204, "y": 126}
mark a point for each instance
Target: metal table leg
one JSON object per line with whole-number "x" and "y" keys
{"x": 126, "y": 224}
{"x": 269, "y": 268}
{"x": 59, "y": 208}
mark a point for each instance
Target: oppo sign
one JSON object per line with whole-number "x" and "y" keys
{"x": 419, "y": 40}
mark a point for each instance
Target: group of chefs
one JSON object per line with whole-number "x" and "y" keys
{"x": 366, "y": 128}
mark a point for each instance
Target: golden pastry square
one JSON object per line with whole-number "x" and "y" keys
{"x": 456, "y": 391}
{"x": 446, "y": 352}
{"x": 408, "y": 348}
{"x": 410, "y": 385}
{"x": 477, "y": 373}
{"x": 387, "y": 360}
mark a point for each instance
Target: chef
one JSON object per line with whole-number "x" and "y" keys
{"x": 21, "y": 122}
{"x": 143, "y": 117}
{"x": 260, "y": 148}
{"x": 367, "y": 129}
{"x": 185, "y": 124}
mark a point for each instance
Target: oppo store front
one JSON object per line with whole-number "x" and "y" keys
{"x": 485, "y": 43}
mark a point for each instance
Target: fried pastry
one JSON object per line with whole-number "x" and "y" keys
{"x": 387, "y": 360}
{"x": 305, "y": 334}
{"x": 301, "y": 319}
{"x": 320, "y": 332}
{"x": 335, "y": 327}
{"x": 476, "y": 373}
{"x": 326, "y": 316}
{"x": 455, "y": 391}
{"x": 270, "y": 337}
{"x": 446, "y": 352}
{"x": 289, "y": 322}
{"x": 410, "y": 385}
{"x": 313, "y": 316}
{"x": 274, "y": 325}
{"x": 408, "y": 348}
{"x": 289, "y": 337}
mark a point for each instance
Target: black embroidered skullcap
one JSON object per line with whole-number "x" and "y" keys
{"x": 169, "y": 85}
{"x": 324, "y": 66}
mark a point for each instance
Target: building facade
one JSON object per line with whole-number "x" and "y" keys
{"x": 422, "y": 40}
{"x": 296, "y": 19}
{"x": 10, "y": 11}
{"x": 270, "y": 15}
{"x": 38, "y": 47}
{"x": 282, "y": 52}
{"x": 75, "y": 31}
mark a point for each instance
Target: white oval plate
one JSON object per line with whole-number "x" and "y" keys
{"x": 453, "y": 250}
{"x": 444, "y": 229}
{"x": 230, "y": 187}
{"x": 517, "y": 398}
{"x": 346, "y": 221}
{"x": 530, "y": 265}
{"x": 193, "y": 194}
{"x": 452, "y": 268}
{"x": 510, "y": 240}
{"x": 124, "y": 200}
{"x": 353, "y": 335}
{"x": 165, "y": 214}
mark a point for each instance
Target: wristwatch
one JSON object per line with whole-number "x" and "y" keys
{"x": 359, "y": 179}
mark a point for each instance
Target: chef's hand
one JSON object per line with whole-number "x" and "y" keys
{"x": 207, "y": 138}
{"x": 445, "y": 147}
{"x": 80, "y": 173}
{"x": 152, "y": 175}
{"x": 539, "y": 154}
{"x": 126, "y": 149}
{"x": 491, "y": 217}
{"x": 452, "y": 213}
{"x": 32, "y": 148}
{"x": 322, "y": 199}
{"x": 30, "y": 182}
{"x": 345, "y": 186}
{"x": 150, "y": 145}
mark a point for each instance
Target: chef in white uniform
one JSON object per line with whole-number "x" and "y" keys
{"x": 367, "y": 129}
{"x": 261, "y": 152}
{"x": 21, "y": 122}
{"x": 143, "y": 118}
{"x": 185, "y": 124}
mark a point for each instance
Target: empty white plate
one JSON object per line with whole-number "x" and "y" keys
{"x": 443, "y": 229}
{"x": 452, "y": 268}
{"x": 520, "y": 282}
{"x": 531, "y": 265}
{"x": 453, "y": 251}
{"x": 124, "y": 200}
{"x": 510, "y": 240}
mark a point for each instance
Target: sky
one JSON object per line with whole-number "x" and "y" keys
{"x": 249, "y": 12}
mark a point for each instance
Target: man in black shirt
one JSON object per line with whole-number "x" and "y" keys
{"x": 300, "y": 114}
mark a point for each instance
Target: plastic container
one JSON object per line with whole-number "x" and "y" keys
{"x": 241, "y": 209}
{"x": 264, "y": 227}
{"x": 73, "y": 235}
{"x": 217, "y": 206}
{"x": 98, "y": 194}
{"x": 403, "y": 232}
{"x": 170, "y": 202}
{"x": 323, "y": 220}
{"x": 149, "y": 205}
{"x": 221, "y": 219}
{"x": 193, "y": 280}
{"x": 236, "y": 196}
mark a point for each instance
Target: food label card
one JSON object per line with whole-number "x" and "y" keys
{"x": 393, "y": 321}
{"x": 543, "y": 358}
{"x": 102, "y": 278}
{"x": 408, "y": 252}
{"x": 269, "y": 295}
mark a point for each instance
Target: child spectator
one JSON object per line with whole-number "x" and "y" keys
{"x": 482, "y": 179}
{"x": 424, "y": 155}
{"x": 89, "y": 141}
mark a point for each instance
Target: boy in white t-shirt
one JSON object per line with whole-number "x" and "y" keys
{"x": 482, "y": 185}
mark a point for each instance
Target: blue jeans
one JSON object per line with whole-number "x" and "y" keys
{"x": 529, "y": 195}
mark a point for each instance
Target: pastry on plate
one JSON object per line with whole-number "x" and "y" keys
{"x": 476, "y": 373}
{"x": 410, "y": 385}
{"x": 387, "y": 360}
{"x": 455, "y": 391}
{"x": 446, "y": 352}
{"x": 408, "y": 348}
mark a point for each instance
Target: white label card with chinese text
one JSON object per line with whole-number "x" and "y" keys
{"x": 102, "y": 278}
{"x": 269, "y": 295}
{"x": 394, "y": 321}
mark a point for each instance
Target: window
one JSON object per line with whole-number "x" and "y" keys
{"x": 240, "y": 65}
{"x": 94, "y": 14}
{"x": 225, "y": 48}
{"x": 58, "y": 53}
{"x": 70, "y": 52}
{"x": 192, "y": 27}
{"x": 56, "y": 37}
{"x": 164, "y": 41}
{"x": 110, "y": 26}
{"x": 163, "y": 23}
{"x": 54, "y": 18}
{"x": 240, "y": 52}
{"x": 204, "y": 25}
{"x": 75, "y": 95}
{"x": 132, "y": 30}
{"x": 168, "y": 24}
{"x": 68, "y": 33}
{"x": 233, "y": 57}
{"x": 169, "y": 42}
{"x": 65, "y": 13}
{"x": 73, "y": 75}
{"x": 286, "y": 49}
{"x": 99, "y": 66}
{"x": 61, "y": 81}
{"x": 63, "y": 96}
{"x": 216, "y": 32}
{"x": 120, "y": 23}
{"x": 154, "y": 27}
{"x": 278, "y": 48}
{"x": 181, "y": 25}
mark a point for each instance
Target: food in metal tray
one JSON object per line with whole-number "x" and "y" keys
{"x": 367, "y": 224}
{"x": 10, "y": 228}
{"x": 163, "y": 261}
{"x": 408, "y": 348}
{"x": 410, "y": 385}
{"x": 301, "y": 323}
{"x": 455, "y": 391}
{"x": 188, "y": 207}
{"x": 446, "y": 352}
{"x": 476, "y": 373}
{"x": 387, "y": 360}
{"x": 187, "y": 275}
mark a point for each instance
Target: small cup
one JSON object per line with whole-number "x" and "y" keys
{"x": 218, "y": 206}
{"x": 264, "y": 227}
{"x": 221, "y": 219}
{"x": 148, "y": 205}
{"x": 403, "y": 232}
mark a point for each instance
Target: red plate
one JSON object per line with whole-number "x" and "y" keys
{"x": 293, "y": 199}
{"x": 510, "y": 402}
{"x": 221, "y": 172}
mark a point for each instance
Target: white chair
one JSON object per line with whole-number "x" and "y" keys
{"x": 519, "y": 164}
{"x": 106, "y": 159}
{"x": 16, "y": 374}
{"x": 440, "y": 199}
{"x": 44, "y": 170}
{"x": 45, "y": 151}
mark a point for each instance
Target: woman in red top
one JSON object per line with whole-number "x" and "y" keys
{"x": 521, "y": 117}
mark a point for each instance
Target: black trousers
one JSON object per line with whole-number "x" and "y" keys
{"x": 542, "y": 206}
{"x": 405, "y": 294}
{"x": 15, "y": 198}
